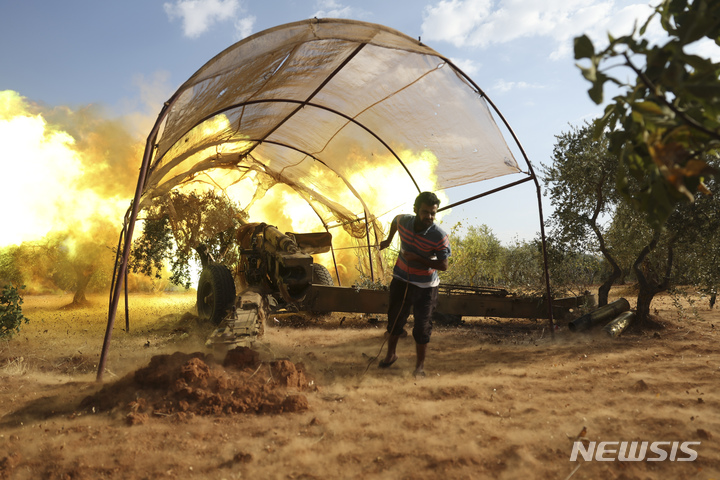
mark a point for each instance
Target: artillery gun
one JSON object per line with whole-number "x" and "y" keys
{"x": 282, "y": 263}
{"x": 277, "y": 270}
{"x": 272, "y": 263}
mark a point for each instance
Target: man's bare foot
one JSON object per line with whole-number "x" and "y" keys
{"x": 419, "y": 373}
{"x": 386, "y": 363}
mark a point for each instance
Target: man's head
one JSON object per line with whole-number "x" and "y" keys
{"x": 426, "y": 206}
{"x": 428, "y": 198}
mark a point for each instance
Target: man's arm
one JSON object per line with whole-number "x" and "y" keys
{"x": 393, "y": 228}
{"x": 441, "y": 265}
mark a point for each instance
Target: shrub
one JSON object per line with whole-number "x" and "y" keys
{"x": 11, "y": 316}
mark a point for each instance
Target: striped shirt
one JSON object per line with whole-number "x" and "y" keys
{"x": 431, "y": 243}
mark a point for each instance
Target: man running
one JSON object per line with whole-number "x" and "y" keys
{"x": 424, "y": 249}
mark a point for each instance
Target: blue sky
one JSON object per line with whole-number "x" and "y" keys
{"x": 127, "y": 57}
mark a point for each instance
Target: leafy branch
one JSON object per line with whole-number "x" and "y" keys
{"x": 11, "y": 316}
{"x": 664, "y": 123}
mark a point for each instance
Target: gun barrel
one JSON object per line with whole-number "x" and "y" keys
{"x": 279, "y": 240}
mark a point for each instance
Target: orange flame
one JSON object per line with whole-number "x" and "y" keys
{"x": 57, "y": 181}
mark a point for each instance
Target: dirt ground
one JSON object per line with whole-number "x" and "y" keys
{"x": 502, "y": 398}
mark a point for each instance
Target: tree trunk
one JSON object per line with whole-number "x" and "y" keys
{"x": 650, "y": 283}
{"x": 604, "y": 290}
{"x": 644, "y": 299}
{"x": 84, "y": 274}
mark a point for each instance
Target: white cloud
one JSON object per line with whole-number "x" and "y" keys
{"x": 244, "y": 26}
{"x": 454, "y": 20}
{"x": 481, "y": 23}
{"x": 503, "y": 87}
{"x": 469, "y": 67}
{"x": 620, "y": 22}
{"x": 199, "y": 15}
{"x": 333, "y": 9}
{"x": 705, "y": 48}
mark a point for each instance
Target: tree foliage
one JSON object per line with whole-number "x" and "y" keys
{"x": 627, "y": 233}
{"x": 11, "y": 316}
{"x": 71, "y": 260}
{"x": 10, "y": 271}
{"x": 573, "y": 271}
{"x": 477, "y": 257}
{"x": 667, "y": 117}
{"x": 581, "y": 185}
{"x": 480, "y": 259}
{"x": 80, "y": 261}
{"x": 153, "y": 248}
{"x": 182, "y": 227}
{"x": 698, "y": 246}
{"x": 523, "y": 267}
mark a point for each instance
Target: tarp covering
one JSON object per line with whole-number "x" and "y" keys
{"x": 355, "y": 118}
{"x": 333, "y": 109}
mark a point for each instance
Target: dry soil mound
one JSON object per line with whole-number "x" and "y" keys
{"x": 196, "y": 384}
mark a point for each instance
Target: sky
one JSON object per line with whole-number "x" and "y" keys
{"x": 125, "y": 58}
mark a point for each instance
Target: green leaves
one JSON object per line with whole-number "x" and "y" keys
{"x": 11, "y": 315}
{"x": 668, "y": 115}
{"x": 650, "y": 108}
{"x": 182, "y": 227}
{"x": 476, "y": 258}
{"x": 583, "y": 47}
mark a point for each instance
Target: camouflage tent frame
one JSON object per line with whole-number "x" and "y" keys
{"x": 325, "y": 107}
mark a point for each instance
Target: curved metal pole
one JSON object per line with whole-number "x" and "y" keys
{"x": 312, "y": 95}
{"x": 484, "y": 194}
{"x": 545, "y": 259}
{"x": 332, "y": 251}
{"x": 349, "y": 186}
{"x": 117, "y": 259}
{"x": 171, "y": 165}
{"x": 537, "y": 187}
{"x": 122, "y": 270}
{"x": 369, "y": 247}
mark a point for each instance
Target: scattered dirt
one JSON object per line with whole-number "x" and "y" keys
{"x": 195, "y": 384}
{"x": 504, "y": 398}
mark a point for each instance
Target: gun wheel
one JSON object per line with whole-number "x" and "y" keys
{"x": 321, "y": 275}
{"x": 215, "y": 292}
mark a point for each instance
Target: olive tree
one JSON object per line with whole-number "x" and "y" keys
{"x": 11, "y": 316}
{"x": 80, "y": 260}
{"x": 477, "y": 257}
{"x": 667, "y": 116}
{"x": 581, "y": 185}
{"x": 662, "y": 124}
{"x": 182, "y": 227}
{"x": 699, "y": 242}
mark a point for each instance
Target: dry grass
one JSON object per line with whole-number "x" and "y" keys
{"x": 502, "y": 399}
